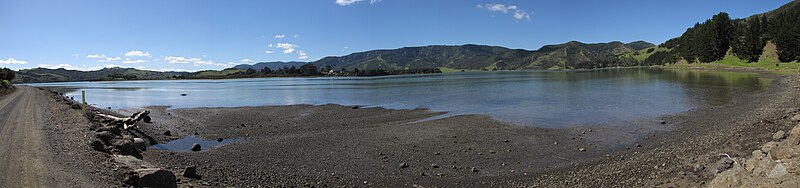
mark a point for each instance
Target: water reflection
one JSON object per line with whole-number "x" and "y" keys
{"x": 550, "y": 99}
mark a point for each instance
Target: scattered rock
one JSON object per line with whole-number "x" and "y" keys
{"x": 167, "y": 133}
{"x": 778, "y": 171}
{"x": 190, "y": 172}
{"x": 155, "y": 177}
{"x": 183, "y": 94}
{"x": 219, "y": 139}
{"x": 75, "y": 106}
{"x": 147, "y": 119}
{"x": 581, "y": 149}
{"x": 473, "y": 169}
{"x": 778, "y": 136}
{"x": 98, "y": 145}
{"x": 196, "y": 147}
{"x": 724, "y": 164}
{"x": 505, "y": 140}
{"x": 434, "y": 165}
{"x": 140, "y": 144}
{"x": 105, "y": 136}
{"x": 355, "y": 107}
{"x": 403, "y": 165}
{"x": 663, "y": 122}
{"x": 126, "y": 147}
{"x": 796, "y": 117}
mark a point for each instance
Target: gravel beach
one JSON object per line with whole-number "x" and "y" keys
{"x": 332, "y": 145}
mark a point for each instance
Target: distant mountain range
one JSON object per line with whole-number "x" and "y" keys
{"x": 570, "y": 55}
{"x": 476, "y": 57}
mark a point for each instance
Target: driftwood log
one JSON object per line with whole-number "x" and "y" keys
{"x": 127, "y": 122}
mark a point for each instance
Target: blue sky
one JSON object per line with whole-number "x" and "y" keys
{"x": 203, "y": 34}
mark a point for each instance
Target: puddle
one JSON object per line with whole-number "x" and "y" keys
{"x": 185, "y": 144}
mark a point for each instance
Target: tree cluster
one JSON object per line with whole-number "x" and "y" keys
{"x": 7, "y": 74}
{"x": 745, "y": 38}
{"x": 785, "y": 33}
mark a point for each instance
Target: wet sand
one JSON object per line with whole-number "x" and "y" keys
{"x": 331, "y": 145}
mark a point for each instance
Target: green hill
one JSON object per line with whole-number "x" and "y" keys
{"x": 569, "y": 55}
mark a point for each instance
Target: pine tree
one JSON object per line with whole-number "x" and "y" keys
{"x": 786, "y": 35}
{"x": 749, "y": 43}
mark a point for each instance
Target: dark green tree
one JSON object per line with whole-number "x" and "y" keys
{"x": 749, "y": 42}
{"x": 785, "y": 31}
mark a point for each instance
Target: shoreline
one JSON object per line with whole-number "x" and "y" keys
{"x": 346, "y": 146}
{"x": 530, "y": 157}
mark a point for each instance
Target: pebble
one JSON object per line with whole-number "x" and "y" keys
{"x": 403, "y": 165}
{"x": 196, "y": 147}
{"x": 581, "y": 149}
{"x": 435, "y": 165}
{"x": 473, "y": 169}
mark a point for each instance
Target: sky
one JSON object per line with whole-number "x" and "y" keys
{"x": 191, "y": 35}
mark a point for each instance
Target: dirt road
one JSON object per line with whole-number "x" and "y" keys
{"x": 25, "y": 159}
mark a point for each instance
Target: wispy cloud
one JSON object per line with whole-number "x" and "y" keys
{"x": 518, "y": 13}
{"x": 133, "y": 61}
{"x": 280, "y": 36}
{"x": 302, "y": 55}
{"x": 80, "y": 68}
{"x": 349, "y": 2}
{"x": 247, "y": 61}
{"x": 195, "y": 61}
{"x": 12, "y": 61}
{"x": 95, "y": 56}
{"x": 137, "y": 53}
{"x": 102, "y": 58}
{"x": 287, "y": 47}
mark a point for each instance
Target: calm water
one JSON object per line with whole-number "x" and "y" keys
{"x": 548, "y": 99}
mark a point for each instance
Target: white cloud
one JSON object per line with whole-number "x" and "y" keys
{"x": 131, "y": 61}
{"x": 302, "y": 55}
{"x": 12, "y": 61}
{"x": 195, "y": 61}
{"x": 287, "y": 48}
{"x": 519, "y": 14}
{"x": 280, "y": 36}
{"x": 245, "y": 61}
{"x": 269, "y": 52}
{"x": 270, "y": 45}
{"x": 349, "y": 2}
{"x": 110, "y": 59}
{"x": 95, "y": 56}
{"x": 137, "y": 53}
{"x": 102, "y": 58}
{"x": 296, "y": 36}
{"x": 81, "y": 68}
{"x": 64, "y": 66}
{"x": 180, "y": 60}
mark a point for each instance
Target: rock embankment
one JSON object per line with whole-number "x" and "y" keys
{"x": 123, "y": 147}
{"x": 776, "y": 164}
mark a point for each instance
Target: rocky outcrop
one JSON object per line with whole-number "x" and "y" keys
{"x": 776, "y": 164}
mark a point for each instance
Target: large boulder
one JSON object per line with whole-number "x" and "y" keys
{"x": 155, "y": 177}
{"x": 190, "y": 172}
{"x": 126, "y": 147}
